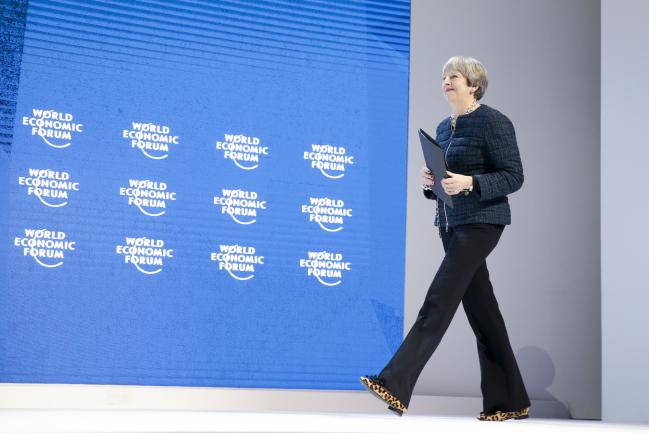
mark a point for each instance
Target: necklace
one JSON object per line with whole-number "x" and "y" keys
{"x": 454, "y": 116}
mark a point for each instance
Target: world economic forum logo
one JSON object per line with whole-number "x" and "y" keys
{"x": 242, "y": 206}
{"x": 52, "y": 188}
{"x": 46, "y": 247}
{"x": 56, "y": 129}
{"x": 243, "y": 150}
{"x": 329, "y": 214}
{"x": 325, "y": 266}
{"x": 150, "y": 197}
{"x": 146, "y": 254}
{"x": 151, "y": 139}
{"x": 239, "y": 261}
{"x": 331, "y": 161}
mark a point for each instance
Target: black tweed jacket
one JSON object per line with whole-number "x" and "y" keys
{"x": 483, "y": 145}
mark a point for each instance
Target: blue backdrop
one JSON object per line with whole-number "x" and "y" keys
{"x": 203, "y": 193}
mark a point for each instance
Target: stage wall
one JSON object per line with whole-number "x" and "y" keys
{"x": 205, "y": 193}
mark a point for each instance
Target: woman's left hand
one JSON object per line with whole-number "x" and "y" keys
{"x": 456, "y": 183}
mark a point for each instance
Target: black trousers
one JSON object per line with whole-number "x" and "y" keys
{"x": 462, "y": 276}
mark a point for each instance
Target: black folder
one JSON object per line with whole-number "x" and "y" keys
{"x": 434, "y": 156}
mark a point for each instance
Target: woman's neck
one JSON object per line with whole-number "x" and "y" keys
{"x": 462, "y": 107}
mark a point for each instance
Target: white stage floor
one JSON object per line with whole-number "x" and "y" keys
{"x": 136, "y": 421}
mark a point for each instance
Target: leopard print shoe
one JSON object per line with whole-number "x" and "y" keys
{"x": 503, "y": 416}
{"x": 376, "y": 386}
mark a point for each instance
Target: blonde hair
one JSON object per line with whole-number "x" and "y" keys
{"x": 472, "y": 69}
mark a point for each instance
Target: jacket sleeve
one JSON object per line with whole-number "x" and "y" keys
{"x": 504, "y": 157}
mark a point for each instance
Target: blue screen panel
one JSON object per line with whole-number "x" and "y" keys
{"x": 204, "y": 193}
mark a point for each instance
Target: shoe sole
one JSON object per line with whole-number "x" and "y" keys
{"x": 504, "y": 416}
{"x": 384, "y": 395}
{"x": 395, "y": 411}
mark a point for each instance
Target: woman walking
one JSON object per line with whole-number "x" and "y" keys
{"x": 479, "y": 142}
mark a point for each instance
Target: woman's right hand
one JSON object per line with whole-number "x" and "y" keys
{"x": 427, "y": 177}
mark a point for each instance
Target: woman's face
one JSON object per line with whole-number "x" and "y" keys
{"x": 455, "y": 87}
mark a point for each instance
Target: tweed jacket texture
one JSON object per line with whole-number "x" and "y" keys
{"x": 483, "y": 145}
